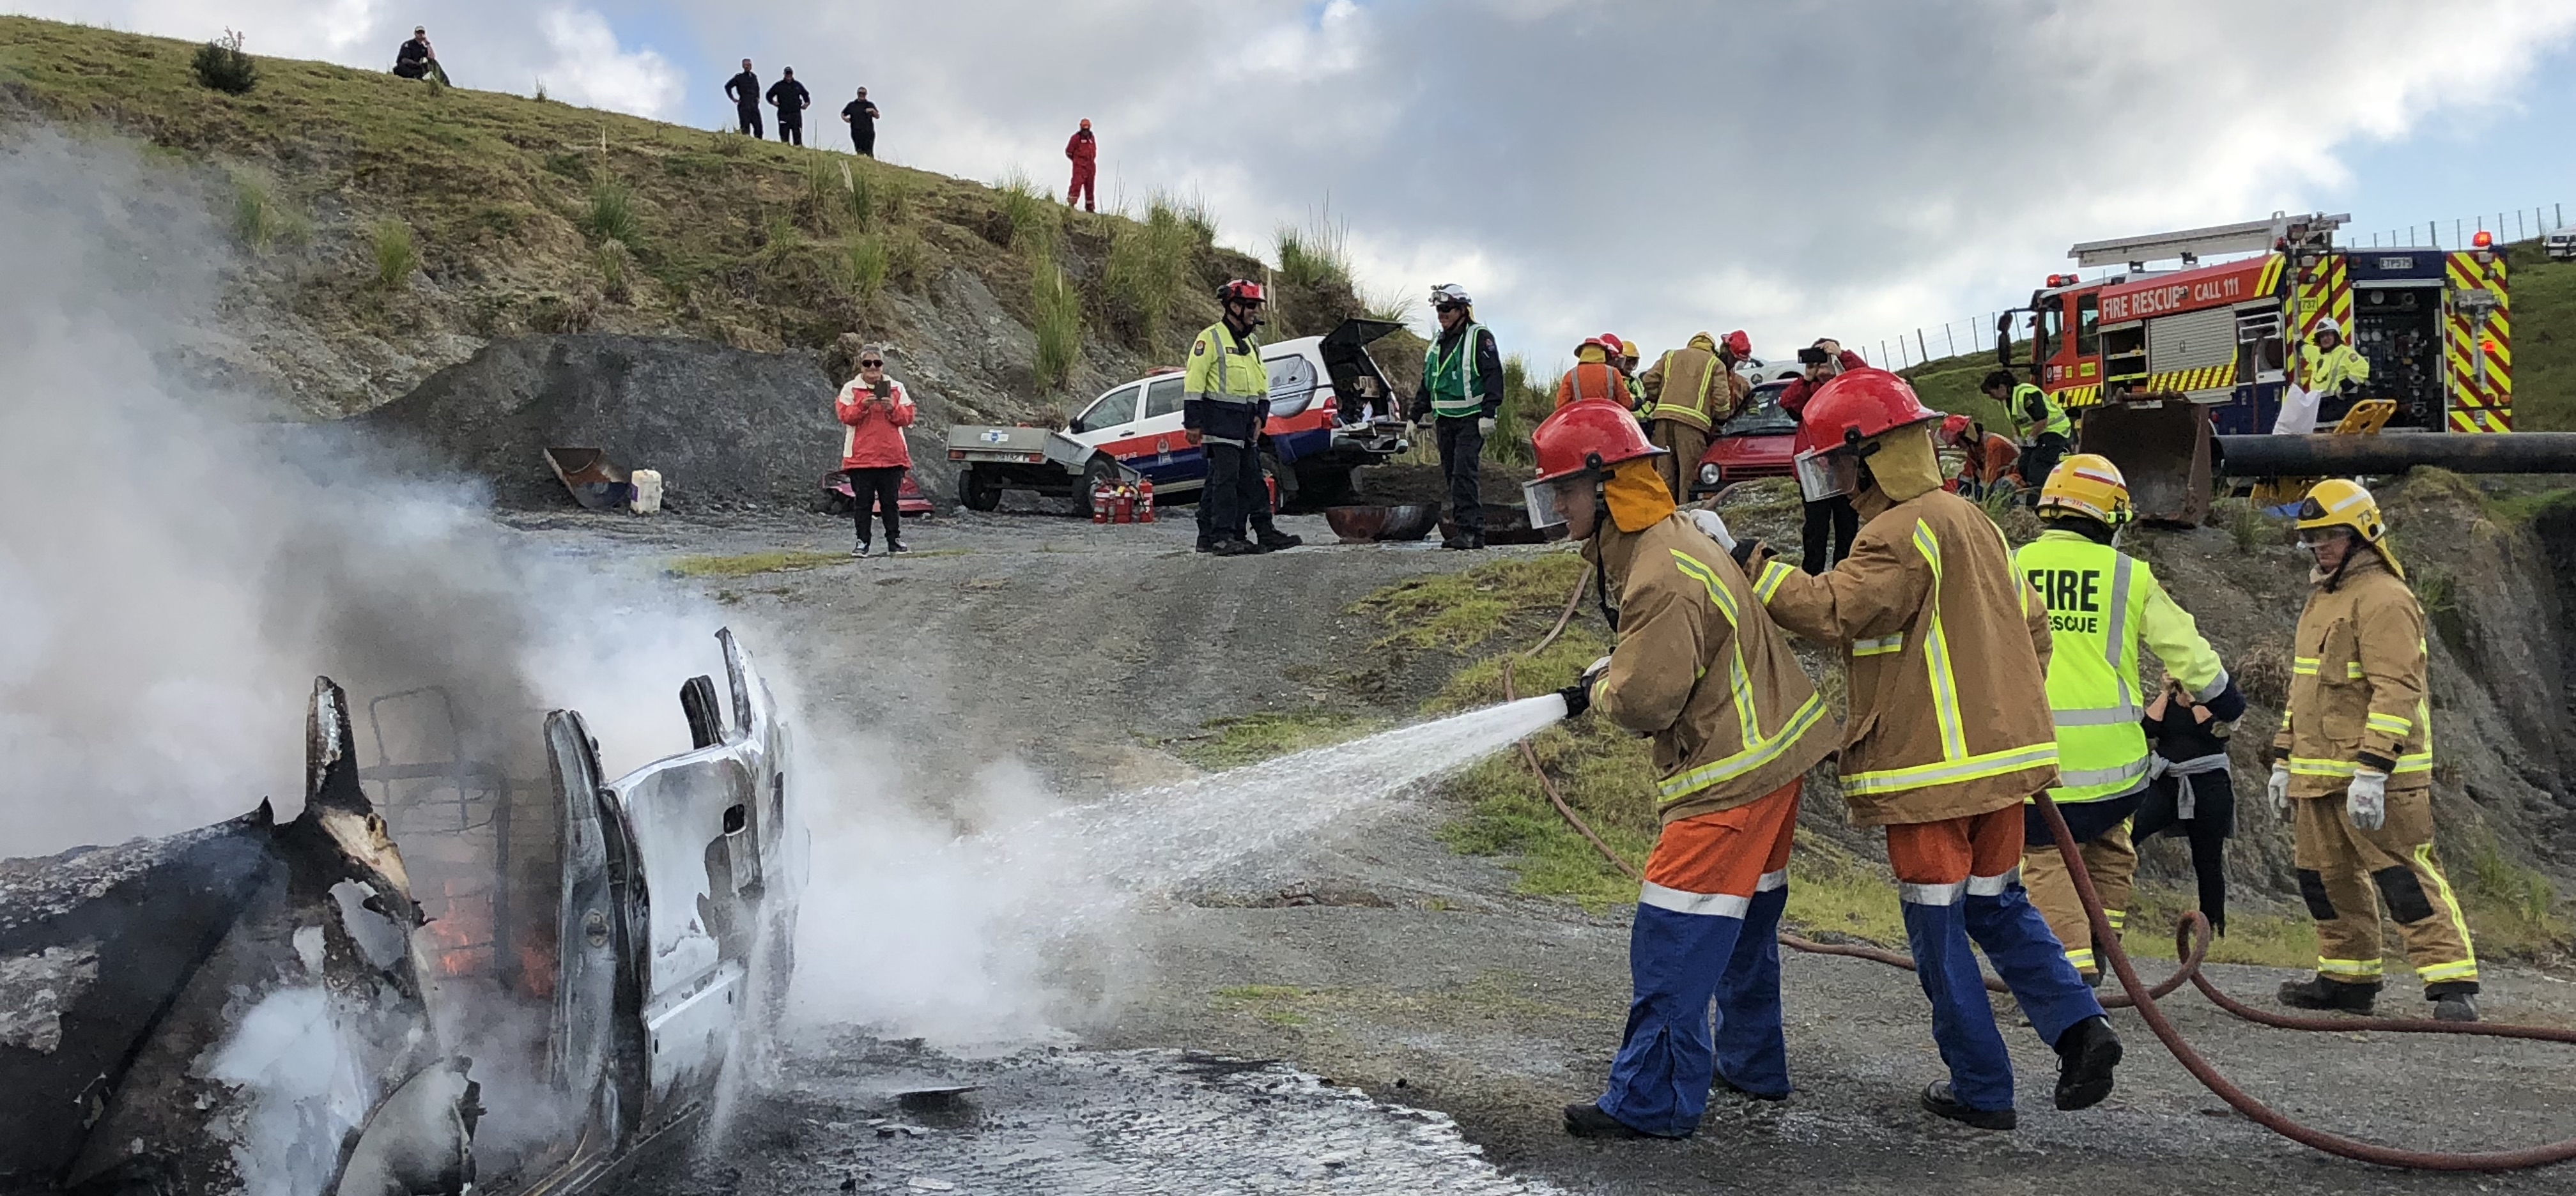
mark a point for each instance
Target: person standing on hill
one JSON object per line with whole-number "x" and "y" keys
{"x": 875, "y": 410}
{"x": 1225, "y": 400}
{"x": 792, "y": 100}
{"x": 1084, "y": 151}
{"x": 1460, "y": 396}
{"x": 744, "y": 91}
{"x": 1681, "y": 392}
{"x": 862, "y": 119}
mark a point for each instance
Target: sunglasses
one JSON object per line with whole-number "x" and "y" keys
{"x": 870, "y": 365}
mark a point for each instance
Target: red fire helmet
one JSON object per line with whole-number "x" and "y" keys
{"x": 1593, "y": 434}
{"x": 1865, "y": 401}
{"x": 1738, "y": 344}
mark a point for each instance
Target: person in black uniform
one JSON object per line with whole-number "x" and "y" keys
{"x": 792, "y": 99}
{"x": 2191, "y": 792}
{"x": 744, "y": 91}
{"x": 862, "y": 116}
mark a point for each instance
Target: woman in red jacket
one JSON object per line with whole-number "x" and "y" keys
{"x": 875, "y": 410}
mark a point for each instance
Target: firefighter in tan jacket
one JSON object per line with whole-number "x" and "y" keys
{"x": 1949, "y": 731}
{"x": 1700, "y": 668}
{"x": 1686, "y": 394}
{"x": 2359, "y": 728}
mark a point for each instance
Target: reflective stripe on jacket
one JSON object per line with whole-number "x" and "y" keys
{"x": 2102, "y": 604}
{"x": 1592, "y": 380}
{"x": 2328, "y": 369}
{"x": 2357, "y": 685}
{"x": 1450, "y": 379}
{"x": 1225, "y": 390}
{"x": 2051, "y": 417}
{"x": 1948, "y": 654}
{"x": 1678, "y": 385}
{"x": 1702, "y": 669}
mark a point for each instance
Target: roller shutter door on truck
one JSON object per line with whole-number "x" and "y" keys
{"x": 2194, "y": 353}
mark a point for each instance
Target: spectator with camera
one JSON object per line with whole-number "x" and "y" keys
{"x": 1831, "y": 523}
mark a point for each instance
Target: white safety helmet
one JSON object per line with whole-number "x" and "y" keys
{"x": 1450, "y": 294}
{"x": 2326, "y": 324}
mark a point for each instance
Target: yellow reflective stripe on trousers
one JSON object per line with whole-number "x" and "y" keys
{"x": 1879, "y": 646}
{"x": 1936, "y": 657}
{"x": 2367, "y": 968}
{"x": 2081, "y": 958}
{"x": 1763, "y": 752}
{"x": 2466, "y": 968}
{"x": 2391, "y": 724}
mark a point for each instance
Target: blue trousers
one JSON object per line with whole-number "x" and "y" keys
{"x": 1682, "y": 963}
{"x": 1996, "y": 914}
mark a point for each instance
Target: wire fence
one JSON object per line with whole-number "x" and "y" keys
{"x": 1976, "y": 334}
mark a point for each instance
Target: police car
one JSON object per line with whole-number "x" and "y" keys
{"x": 1331, "y": 411}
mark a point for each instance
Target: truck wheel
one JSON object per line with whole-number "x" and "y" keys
{"x": 1284, "y": 478}
{"x": 977, "y": 490}
{"x": 1100, "y": 470}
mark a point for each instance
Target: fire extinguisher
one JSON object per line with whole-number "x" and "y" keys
{"x": 1100, "y": 503}
{"x": 1124, "y": 500}
{"x": 1145, "y": 501}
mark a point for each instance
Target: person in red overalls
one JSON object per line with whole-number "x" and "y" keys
{"x": 1085, "y": 152}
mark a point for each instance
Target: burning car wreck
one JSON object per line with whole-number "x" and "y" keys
{"x": 436, "y": 976}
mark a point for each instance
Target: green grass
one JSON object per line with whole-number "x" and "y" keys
{"x": 1458, "y": 612}
{"x": 1056, "y": 318}
{"x": 748, "y": 563}
{"x": 1316, "y": 256}
{"x": 396, "y": 253}
{"x": 2544, "y": 340}
{"x": 611, "y": 215}
{"x": 1029, "y": 215}
{"x": 1249, "y": 739}
{"x": 221, "y": 65}
{"x": 1149, "y": 260}
{"x": 616, "y": 269}
{"x": 260, "y": 218}
{"x": 868, "y": 264}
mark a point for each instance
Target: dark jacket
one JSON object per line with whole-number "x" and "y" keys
{"x": 743, "y": 89}
{"x": 791, "y": 98}
{"x": 1489, "y": 375}
{"x": 1793, "y": 399}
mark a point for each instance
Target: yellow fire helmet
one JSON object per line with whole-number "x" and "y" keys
{"x": 2338, "y": 502}
{"x": 2087, "y": 484}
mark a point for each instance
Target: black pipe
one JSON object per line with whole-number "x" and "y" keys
{"x": 2335, "y": 456}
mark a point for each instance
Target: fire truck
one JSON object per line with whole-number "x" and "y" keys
{"x": 2434, "y": 323}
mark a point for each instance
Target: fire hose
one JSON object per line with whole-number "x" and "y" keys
{"x": 2191, "y": 945}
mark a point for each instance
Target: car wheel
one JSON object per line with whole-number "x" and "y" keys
{"x": 977, "y": 490}
{"x": 1101, "y": 470}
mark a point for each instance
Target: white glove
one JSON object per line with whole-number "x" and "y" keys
{"x": 2366, "y": 801}
{"x": 2278, "y": 789}
{"x": 1713, "y": 526}
{"x": 1485, "y": 425}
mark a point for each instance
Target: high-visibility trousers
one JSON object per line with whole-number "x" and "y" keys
{"x": 1707, "y": 930}
{"x": 2101, "y": 830}
{"x": 1680, "y": 467}
{"x": 1959, "y": 880}
{"x": 2346, "y": 872}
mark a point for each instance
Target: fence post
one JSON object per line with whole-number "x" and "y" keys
{"x": 1954, "y": 341}
{"x": 1922, "y": 352}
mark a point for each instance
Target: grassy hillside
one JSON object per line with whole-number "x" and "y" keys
{"x": 2544, "y": 352}
{"x": 403, "y": 224}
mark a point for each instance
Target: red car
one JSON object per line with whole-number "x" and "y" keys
{"x": 1759, "y": 442}
{"x": 838, "y": 499}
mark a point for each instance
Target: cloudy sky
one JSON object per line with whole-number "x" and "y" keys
{"x": 1653, "y": 168}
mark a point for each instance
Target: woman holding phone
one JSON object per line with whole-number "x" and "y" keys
{"x": 874, "y": 411}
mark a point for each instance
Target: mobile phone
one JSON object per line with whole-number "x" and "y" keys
{"x": 884, "y": 388}
{"x": 1811, "y": 357}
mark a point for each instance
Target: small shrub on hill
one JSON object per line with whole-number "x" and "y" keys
{"x": 1028, "y": 214}
{"x": 611, "y": 215}
{"x": 220, "y": 64}
{"x": 396, "y": 253}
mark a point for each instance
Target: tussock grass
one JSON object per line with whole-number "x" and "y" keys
{"x": 907, "y": 258}
{"x": 1056, "y": 318}
{"x": 396, "y": 253}
{"x": 1314, "y": 257}
{"x": 748, "y": 563}
{"x": 866, "y": 264}
{"x": 616, "y": 268}
{"x": 1029, "y": 214}
{"x": 1149, "y": 260}
{"x": 1394, "y": 307}
{"x": 1526, "y": 401}
{"x": 1459, "y": 612}
{"x": 610, "y": 214}
{"x": 259, "y": 218}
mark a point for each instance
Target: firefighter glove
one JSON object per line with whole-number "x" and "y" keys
{"x": 2278, "y": 789}
{"x": 2367, "y": 799}
{"x": 1713, "y": 525}
{"x": 1578, "y": 698}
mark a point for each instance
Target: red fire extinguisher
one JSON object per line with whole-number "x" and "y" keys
{"x": 1100, "y": 503}
{"x": 1124, "y": 500}
{"x": 1145, "y": 501}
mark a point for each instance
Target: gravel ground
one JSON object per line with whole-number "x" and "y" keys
{"x": 1379, "y": 961}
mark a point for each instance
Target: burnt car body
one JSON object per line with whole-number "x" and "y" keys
{"x": 437, "y": 975}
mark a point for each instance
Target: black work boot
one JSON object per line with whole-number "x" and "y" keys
{"x": 2318, "y": 992}
{"x": 2086, "y": 1054}
{"x": 1588, "y": 1121}
{"x": 1939, "y": 1102}
{"x": 861, "y": 550}
{"x": 1465, "y": 541}
{"x": 1234, "y": 547}
{"x": 1273, "y": 540}
{"x": 2453, "y": 1001}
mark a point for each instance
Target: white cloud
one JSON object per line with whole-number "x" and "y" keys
{"x": 590, "y": 68}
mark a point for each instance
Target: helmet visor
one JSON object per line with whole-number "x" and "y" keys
{"x": 1548, "y": 498}
{"x": 1827, "y": 473}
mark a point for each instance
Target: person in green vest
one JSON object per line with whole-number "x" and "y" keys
{"x": 2046, "y": 432}
{"x": 2332, "y": 367}
{"x": 1461, "y": 393}
{"x": 1225, "y": 400}
{"x": 2102, "y": 605}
